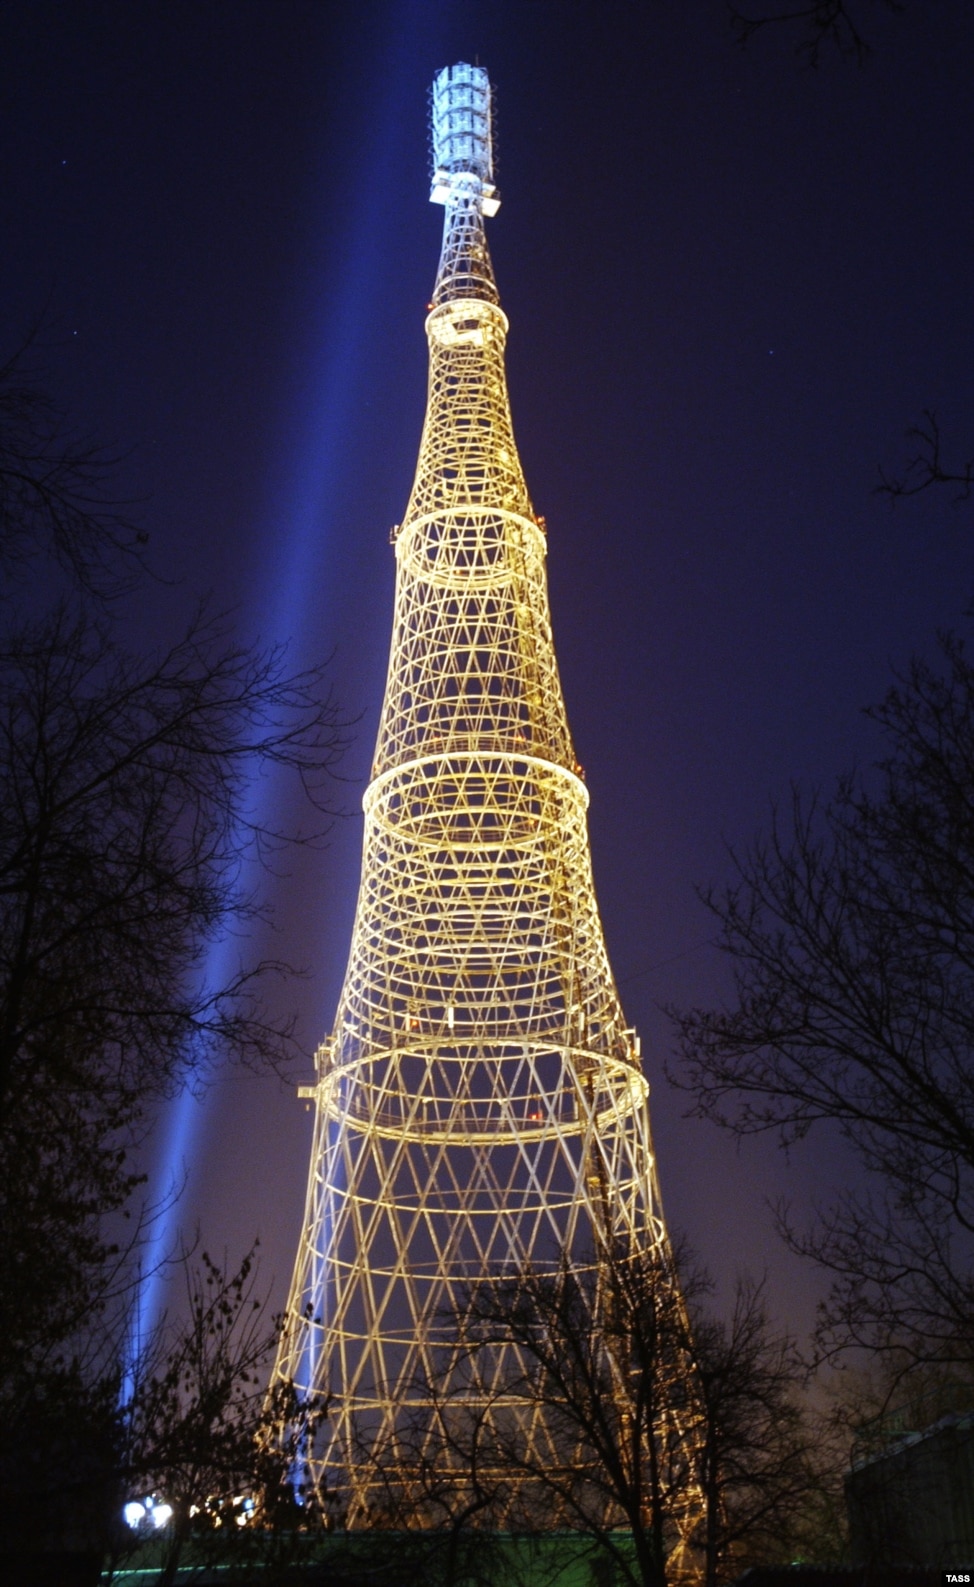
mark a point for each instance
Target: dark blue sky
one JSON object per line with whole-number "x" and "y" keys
{"x": 732, "y": 283}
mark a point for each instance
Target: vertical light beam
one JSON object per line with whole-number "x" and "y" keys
{"x": 286, "y": 603}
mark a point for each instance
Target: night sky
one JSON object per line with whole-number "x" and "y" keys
{"x": 732, "y": 283}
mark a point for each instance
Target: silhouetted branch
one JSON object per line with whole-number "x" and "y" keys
{"x": 927, "y": 466}
{"x": 56, "y": 494}
{"x": 850, "y": 928}
{"x": 200, "y": 1427}
{"x": 823, "y": 23}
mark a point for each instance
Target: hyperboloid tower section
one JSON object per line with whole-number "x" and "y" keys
{"x": 480, "y": 1105}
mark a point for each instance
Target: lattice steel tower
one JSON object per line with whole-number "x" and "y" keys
{"x": 481, "y": 1102}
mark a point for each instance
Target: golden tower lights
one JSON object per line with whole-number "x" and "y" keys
{"x": 480, "y": 1104}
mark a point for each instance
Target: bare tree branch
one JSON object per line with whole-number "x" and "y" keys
{"x": 131, "y": 841}
{"x": 57, "y": 499}
{"x": 926, "y": 467}
{"x": 851, "y": 933}
{"x": 199, "y": 1427}
{"x": 675, "y": 1443}
{"x": 820, "y": 25}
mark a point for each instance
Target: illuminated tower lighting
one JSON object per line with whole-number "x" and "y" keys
{"x": 480, "y": 1104}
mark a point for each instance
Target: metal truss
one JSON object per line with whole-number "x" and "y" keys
{"x": 480, "y": 1105}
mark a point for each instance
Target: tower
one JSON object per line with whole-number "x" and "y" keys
{"x": 480, "y": 1104}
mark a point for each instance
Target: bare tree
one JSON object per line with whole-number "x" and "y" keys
{"x": 200, "y": 1429}
{"x": 602, "y": 1356}
{"x": 764, "y": 1466}
{"x": 851, "y": 933}
{"x": 678, "y": 1442}
{"x": 126, "y": 825}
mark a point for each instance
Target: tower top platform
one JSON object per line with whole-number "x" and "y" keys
{"x": 461, "y": 127}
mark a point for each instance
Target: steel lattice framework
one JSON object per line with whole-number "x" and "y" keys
{"x": 481, "y": 1103}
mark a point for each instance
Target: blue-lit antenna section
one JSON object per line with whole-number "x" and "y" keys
{"x": 461, "y": 122}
